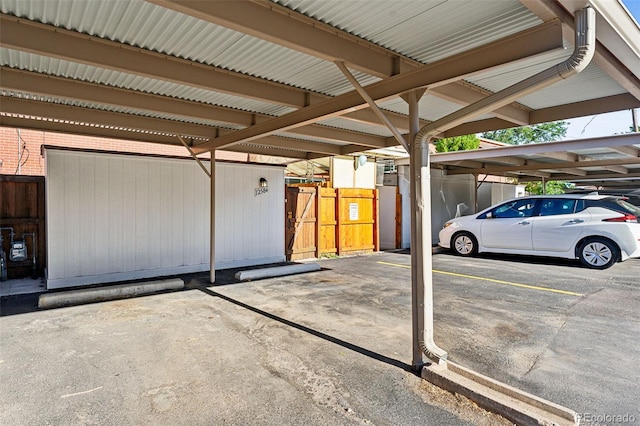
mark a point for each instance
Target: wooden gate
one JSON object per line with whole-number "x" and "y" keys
{"x": 324, "y": 221}
{"x": 300, "y": 227}
{"x": 22, "y": 208}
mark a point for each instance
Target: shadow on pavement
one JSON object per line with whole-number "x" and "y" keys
{"x": 316, "y": 333}
{"x": 26, "y": 303}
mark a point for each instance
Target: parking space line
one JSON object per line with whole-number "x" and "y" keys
{"x": 530, "y": 287}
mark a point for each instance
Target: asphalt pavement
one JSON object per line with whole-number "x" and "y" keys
{"x": 327, "y": 347}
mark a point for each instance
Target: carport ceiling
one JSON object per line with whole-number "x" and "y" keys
{"x": 614, "y": 159}
{"x": 260, "y": 76}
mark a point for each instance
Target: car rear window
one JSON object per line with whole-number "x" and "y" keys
{"x": 629, "y": 207}
{"x": 613, "y": 203}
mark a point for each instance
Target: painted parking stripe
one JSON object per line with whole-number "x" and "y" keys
{"x": 530, "y": 287}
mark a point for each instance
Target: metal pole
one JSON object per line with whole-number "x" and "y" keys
{"x": 634, "y": 118}
{"x": 475, "y": 192}
{"x": 194, "y": 156}
{"x": 417, "y": 294}
{"x": 212, "y": 223}
{"x": 374, "y": 107}
{"x": 19, "y": 169}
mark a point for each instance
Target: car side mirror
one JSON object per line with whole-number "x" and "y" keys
{"x": 489, "y": 215}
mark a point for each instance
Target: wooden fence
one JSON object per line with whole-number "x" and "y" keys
{"x": 22, "y": 208}
{"x": 324, "y": 221}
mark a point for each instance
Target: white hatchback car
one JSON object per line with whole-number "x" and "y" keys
{"x": 599, "y": 230}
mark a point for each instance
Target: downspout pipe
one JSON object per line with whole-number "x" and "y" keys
{"x": 585, "y": 44}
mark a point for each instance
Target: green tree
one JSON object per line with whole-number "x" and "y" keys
{"x": 458, "y": 143}
{"x": 545, "y": 132}
{"x": 552, "y": 187}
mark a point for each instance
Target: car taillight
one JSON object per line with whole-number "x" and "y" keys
{"x": 625, "y": 218}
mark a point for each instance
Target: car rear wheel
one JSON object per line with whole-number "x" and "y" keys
{"x": 464, "y": 244}
{"x": 598, "y": 253}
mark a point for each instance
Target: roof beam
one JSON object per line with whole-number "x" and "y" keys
{"x": 367, "y": 116}
{"x": 478, "y": 126}
{"x": 544, "y": 115}
{"x": 56, "y": 42}
{"x": 71, "y": 46}
{"x": 297, "y": 145}
{"x": 511, "y": 160}
{"x": 547, "y": 9}
{"x": 464, "y": 94}
{"x": 589, "y": 176}
{"x": 270, "y": 150}
{"x": 350, "y": 149}
{"x": 283, "y": 26}
{"x": 105, "y": 118}
{"x": 562, "y": 156}
{"x": 488, "y": 169}
{"x": 126, "y": 123}
{"x": 332, "y": 134}
{"x": 571, "y": 171}
{"x": 372, "y": 104}
{"x": 611, "y": 142}
{"x": 84, "y": 129}
{"x": 42, "y": 84}
{"x": 631, "y": 151}
{"x": 617, "y": 169}
{"x": 522, "y": 45}
{"x": 467, "y": 164}
{"x": 584, "y": 108}
{"x": 48, "y": 85}
{"x": 532, "y": 173}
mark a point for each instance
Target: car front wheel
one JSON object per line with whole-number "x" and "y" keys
{"x": 598, "y": 253}
{"x": 464, "y": 244}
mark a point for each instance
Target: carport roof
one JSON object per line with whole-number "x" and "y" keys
{"x": 260, "y": 76}
{"x": 615, "y": 159}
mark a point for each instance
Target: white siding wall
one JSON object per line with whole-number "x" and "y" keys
{"x": 344, "y": 174}
{"x": 491, "y": 193}
{"x": 115, "y": 217}
{"x": 446, "y": 193}
{"x": 387, "y": 226}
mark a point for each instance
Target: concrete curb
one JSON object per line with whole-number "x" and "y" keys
{"x": 100, "y": 294}
{"x": 513, "y": 404}
{"x": 277, "y": 271}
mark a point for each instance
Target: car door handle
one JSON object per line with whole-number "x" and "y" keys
{"x": 576, "y": 221}
{"x": 524, "y": 222}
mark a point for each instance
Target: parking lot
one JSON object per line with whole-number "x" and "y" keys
{"x": 328, "y": 347}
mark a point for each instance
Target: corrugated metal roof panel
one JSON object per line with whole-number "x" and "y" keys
{"x": 151, "y": 27}
{"x": 122, "y": 110}
{"x": 356, "y": 126}
{"x": 566, "y": 91}
{"x": 425, "y": 30}
{"x": 599, "y": 84}
{"x": 92, "y": 74}
{"x": 296, "y": 136}
{"x": 431, "y": 108}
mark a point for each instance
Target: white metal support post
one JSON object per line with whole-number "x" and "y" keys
{"x": 212, "y": 223}
{"x": 417, "y": 290}
{"x": 421, "y": 257}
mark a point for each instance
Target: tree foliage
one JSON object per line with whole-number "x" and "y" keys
{"x": 458, "y": 143}
{"x": 545, "y": 132}
{"x": 552, "y": 187}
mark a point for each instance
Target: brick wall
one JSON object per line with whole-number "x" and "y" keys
{"x": 26, "y": 145}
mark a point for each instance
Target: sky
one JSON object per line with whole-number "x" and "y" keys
{"x": 605, "y": 124}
